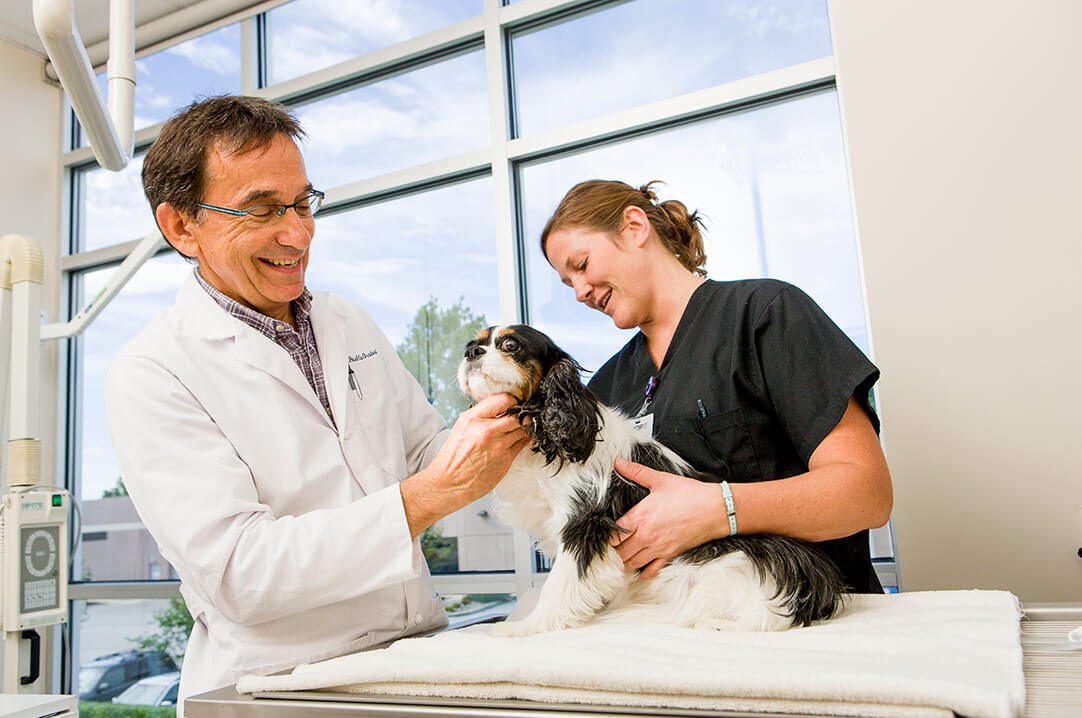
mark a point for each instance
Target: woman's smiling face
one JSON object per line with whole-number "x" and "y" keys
{"x": 603, "y": 269}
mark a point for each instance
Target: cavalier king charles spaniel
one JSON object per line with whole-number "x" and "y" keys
{"x": 565, "y": 493}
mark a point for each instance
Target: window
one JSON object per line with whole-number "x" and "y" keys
{"x": 306, "y": 35}
{"x": 431, "y": 226}
{"x": 113, "y": 207}
{"x": 771, "y": 184}
{"x": 424, "y": 267}
{"x": 169, "y": 80}
{"x": 406, "y": 120}
{"x": 633, "y": 53}
{"x": 125, "y": 551}
{"x": 128, "y": 651}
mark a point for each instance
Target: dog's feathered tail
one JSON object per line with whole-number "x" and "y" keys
{"x": 808, "y": 583}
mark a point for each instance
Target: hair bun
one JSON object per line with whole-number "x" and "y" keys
{"x": 647, "y": 191}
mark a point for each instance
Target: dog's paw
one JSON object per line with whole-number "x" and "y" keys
{"x": 755, "y": 622}
{"x": 717, "y": 623}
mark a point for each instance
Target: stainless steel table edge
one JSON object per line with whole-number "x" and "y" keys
{"x": 227, "y": 703}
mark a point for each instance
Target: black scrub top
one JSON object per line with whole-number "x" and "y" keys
{"x": 773, "y": 374}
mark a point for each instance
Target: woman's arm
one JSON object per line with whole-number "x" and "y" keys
{"x": 846, "y": 489}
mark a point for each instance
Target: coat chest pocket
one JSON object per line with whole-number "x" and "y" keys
{"x": 719, "y": 445}
{"x": 373, "y": 433}
{"x": 370, "y": 403}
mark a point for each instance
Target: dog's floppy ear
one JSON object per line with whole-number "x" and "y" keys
{"x": 564, "y": 415}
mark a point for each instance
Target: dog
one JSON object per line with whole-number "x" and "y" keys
{"x": 565, "y": 493}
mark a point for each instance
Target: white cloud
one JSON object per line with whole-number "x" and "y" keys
{"x": 427, "y": 114}
{"x": 651, "y": 50}
{"x": 306, "y": 35}
{"x": 114, "y": 206}
{"x": 209, "y": 53}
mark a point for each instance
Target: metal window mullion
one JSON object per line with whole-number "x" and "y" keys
{"x": 262, "y": 35}
{"x": 739, "y": 94}
{"x": 168, "y": 31}
{"x": 119, "y": 590}
{"x": 499, "y": 118}
{"x": 83, "y": 157}
{"x": 400, "y": 182}
{"x": 73, "y": 352}
{"x": 888, "y": 574}
{"x": 356, "y": 71}
{"x": 532, "y": 12}
{"x": 378, "y": 63}
{"x": 95, "y": 258}
{"x": 68, "y": 125}
{"x": 250, "y": 62}
{"x": 475, "y": 583}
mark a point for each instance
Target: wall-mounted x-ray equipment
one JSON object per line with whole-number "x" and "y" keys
{"x": 34, "y": 543}
{"x": 111, "y": 132}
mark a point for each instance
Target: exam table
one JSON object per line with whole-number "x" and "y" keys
{"x": 1053, "y": 689}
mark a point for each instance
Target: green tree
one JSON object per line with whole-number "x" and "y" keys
{"x": 174, "y": 627}
{"x": 440, "y": 552}
{"x": 90, "y": 709}
{"x": 432, "y": 350}
{"x": 119, "y": 490}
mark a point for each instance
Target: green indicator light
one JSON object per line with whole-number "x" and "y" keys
{"x": 58, "y": 500}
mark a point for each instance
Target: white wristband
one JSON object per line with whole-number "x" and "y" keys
{"x": 730, "y": 507}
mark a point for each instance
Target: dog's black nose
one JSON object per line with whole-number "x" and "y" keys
{"x": 474, "y": 351}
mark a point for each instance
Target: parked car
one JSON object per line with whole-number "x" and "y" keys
{"x": 160, "y": 690}
{"x": 107, "y": 676}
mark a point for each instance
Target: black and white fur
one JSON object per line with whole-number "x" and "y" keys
{"x": 566, "y": 494}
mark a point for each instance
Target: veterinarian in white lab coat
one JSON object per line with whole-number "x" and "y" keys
{"x": 274, "y": 445}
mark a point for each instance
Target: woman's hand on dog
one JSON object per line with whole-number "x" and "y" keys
{"x": 678, "y": 514}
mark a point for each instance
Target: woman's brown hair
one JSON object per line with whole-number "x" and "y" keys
{"x": 600, "y": 204}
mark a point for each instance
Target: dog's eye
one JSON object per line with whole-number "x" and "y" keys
{"x": 510, "y": 345}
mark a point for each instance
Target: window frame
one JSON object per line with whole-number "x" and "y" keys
{"x": 501, "y": 160}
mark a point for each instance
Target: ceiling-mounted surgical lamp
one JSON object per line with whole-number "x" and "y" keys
{"x": 112, "y": 132}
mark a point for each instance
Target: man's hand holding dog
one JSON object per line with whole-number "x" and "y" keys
{"x": 483, "y": 442}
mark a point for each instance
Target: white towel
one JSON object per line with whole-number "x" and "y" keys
{"x": 908, "y": 654}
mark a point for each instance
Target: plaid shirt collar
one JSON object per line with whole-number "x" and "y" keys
{"x": 302, "y": 308}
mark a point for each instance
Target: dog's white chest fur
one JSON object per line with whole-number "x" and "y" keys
{"x": 538, "y": 498}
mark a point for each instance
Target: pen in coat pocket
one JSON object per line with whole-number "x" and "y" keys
{"x": 353, "y": 384}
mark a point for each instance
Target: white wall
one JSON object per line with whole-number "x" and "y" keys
{"x": 963, "y": 124}
{"x": 30, "y": 129}
{"x": 30, "y": 170}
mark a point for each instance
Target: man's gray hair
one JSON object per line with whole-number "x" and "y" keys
{"x": 173, "y": 170}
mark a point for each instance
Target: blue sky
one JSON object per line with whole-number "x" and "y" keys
{"x": 390, "y": 257}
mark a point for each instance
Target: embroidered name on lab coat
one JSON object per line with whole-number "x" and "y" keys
{"x": 363, "y": 355}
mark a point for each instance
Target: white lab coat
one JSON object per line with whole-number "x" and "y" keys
{"x": 289, "y": 537}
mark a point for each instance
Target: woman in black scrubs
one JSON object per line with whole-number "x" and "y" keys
{"x": 749, "y": 381}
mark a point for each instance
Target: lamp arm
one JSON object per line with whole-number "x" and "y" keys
{"x": 112, "y": 132}
{"x": 148, "y": 246}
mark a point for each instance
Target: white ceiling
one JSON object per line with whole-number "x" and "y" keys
{"x": 91, "y": 18}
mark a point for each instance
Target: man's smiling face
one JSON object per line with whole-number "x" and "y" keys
{"x": 259, "y": 263}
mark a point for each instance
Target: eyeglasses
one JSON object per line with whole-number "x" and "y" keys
{"x": 306, "y": 206}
